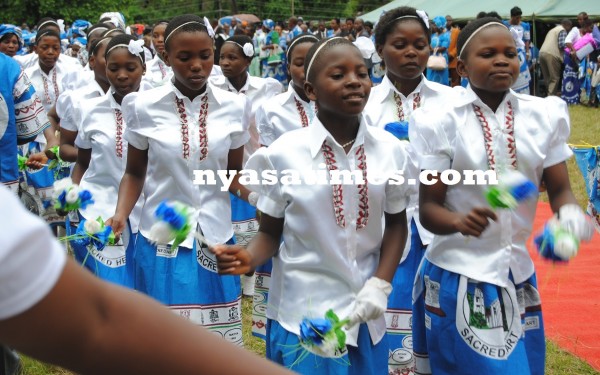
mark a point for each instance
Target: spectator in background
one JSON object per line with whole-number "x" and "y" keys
{"x": 452, "y": 52}
{"x": 293, "y": 29}
{"x": 233, "y": 26}
{"x": 335, "y": 28}
{"x": 551, "y": 55}
{"x": 350, "y": 29}
{"x": 369, "y": 27}
{"x": 521, "y": 32}
{"x": 359, "y": 28}
{"x": 322, "y": 31}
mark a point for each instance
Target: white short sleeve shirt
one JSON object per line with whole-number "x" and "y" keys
{"x": 382, "y": 109}
{"x": 282, "y": 114}
{"x": 321, "y": 265}
{"x": 31, "y": 260}
{"x": 452, "y": 137}
{"x": 153, "y": 124}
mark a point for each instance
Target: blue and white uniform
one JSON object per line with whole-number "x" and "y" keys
{"x": 185, "y": 278}
{"x": 477, "y": 309}
{"x": 386, "y": 105}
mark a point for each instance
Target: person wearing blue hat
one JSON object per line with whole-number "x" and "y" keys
{"x": 11, "y": 39}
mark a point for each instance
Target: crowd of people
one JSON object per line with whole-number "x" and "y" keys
{"x": 430, "y": 278}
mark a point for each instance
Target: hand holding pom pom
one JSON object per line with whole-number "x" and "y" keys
{"x": 512, "y": 190}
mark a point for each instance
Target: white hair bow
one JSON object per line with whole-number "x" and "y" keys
{"x": 424, "y": 17}
{"x": 211, "y": 31}
{"x": 248, "y": 49}
{"x": 135, "y": 47}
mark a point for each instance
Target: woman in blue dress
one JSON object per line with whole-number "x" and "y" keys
{"x": 440, "y": 41}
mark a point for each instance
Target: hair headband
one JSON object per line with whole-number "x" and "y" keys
{"x": 475, "y": 32}
{"x": 135, "y": 47}
{"x": 297, "y": 40}
{"x": 317, "y": 52}
{"x": 41, "y": 26}
{"x": 206, "y": 25}
{"x": 45, "y": 33}
{"x": 95, "y": 47}
{"x": 420, "y": 14}
{"x": 247, "y": 48}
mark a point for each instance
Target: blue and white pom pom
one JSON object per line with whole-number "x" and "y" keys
{"x": 69, "y": 197}
{"x": 556, "y": 243}
{"x": 513, "y": 189}
{"x": 173, "y": 225}
{"x": 399, "y": 129}
{"x": 324, "y": 336}
{"x": 95, "y": 233}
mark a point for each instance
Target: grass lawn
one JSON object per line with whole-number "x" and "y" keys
{"x": 585, "y": 128}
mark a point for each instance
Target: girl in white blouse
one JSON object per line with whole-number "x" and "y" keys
{"x": 402, "y": 39}
{"x": 477, "y": 309}
{"x": 102, "y": 156}
{"x": 172, "y": 131}
{"x": 292, "y": 109}
{"x": 158, "y": 72}
{"x": 330, "y": 246}
{"x": 68, "y": 106}
{"x": 236, "y": 54}
{"x": 46, "y": 76}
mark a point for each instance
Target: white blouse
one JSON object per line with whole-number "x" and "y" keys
{"x": 259, "y": 91}
{"x": 453, "y": 137}
{"x": 68, "y": 105}
{"x": 281, "y": 114}
{"x": 48, "y": 86}
{"x": 98, "y": 131}
{"x": 320, "y": 264}
{"x": 154, "y": 125}
{"x": 381, "y": 109}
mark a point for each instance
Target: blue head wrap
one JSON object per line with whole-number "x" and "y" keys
{"x": 440, "y": 22}
{"x": 12, "y": 29}
{"x": 269, "y": 24}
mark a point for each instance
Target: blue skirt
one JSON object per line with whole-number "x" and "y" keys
{"x": 186, "y": 280}
{"x": 284, "y": 348}
{"x": 463, "y": 326}
{"x": 398, "y": 316}
{"x": 261, "y": 299}
{"x": 113, "y": 263}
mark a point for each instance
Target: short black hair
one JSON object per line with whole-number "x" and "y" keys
{"x": 516, "y": 11}
{"x": 311, "y": 55}
{"x": 122, "y": 39}
{"x": 100, "y": 25}
{"x": 106, "y": 36}
{"x": 469, "y": 29}
{"x": 184, "y": 23}
{"x": 241, "y": 40}
{"x": 47, "y": 21}
{"x": 160, "y": 22}
{"x": 390, "y": 18}
{"x": 494, "y": 14}
{"x": 302, "y": 38}
{"x": 44, "y": 33}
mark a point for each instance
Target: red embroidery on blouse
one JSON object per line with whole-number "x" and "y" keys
{"x": 338, "y": 193}
{"x": 487, "y": 136}
{"x": 400, "y": 108}
{"x": 301, "y": 112}
{"x": 47, "y": 91}
{"x": 203, "y": 138}
{"x": 119, "y": 137}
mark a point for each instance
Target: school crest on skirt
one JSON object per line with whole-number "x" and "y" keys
{"x": 488, "y": 318}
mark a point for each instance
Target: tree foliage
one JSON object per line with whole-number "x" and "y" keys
{"x": 149, "y": 11}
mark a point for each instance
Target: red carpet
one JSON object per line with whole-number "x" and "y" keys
{"x": 571, "y": 296}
